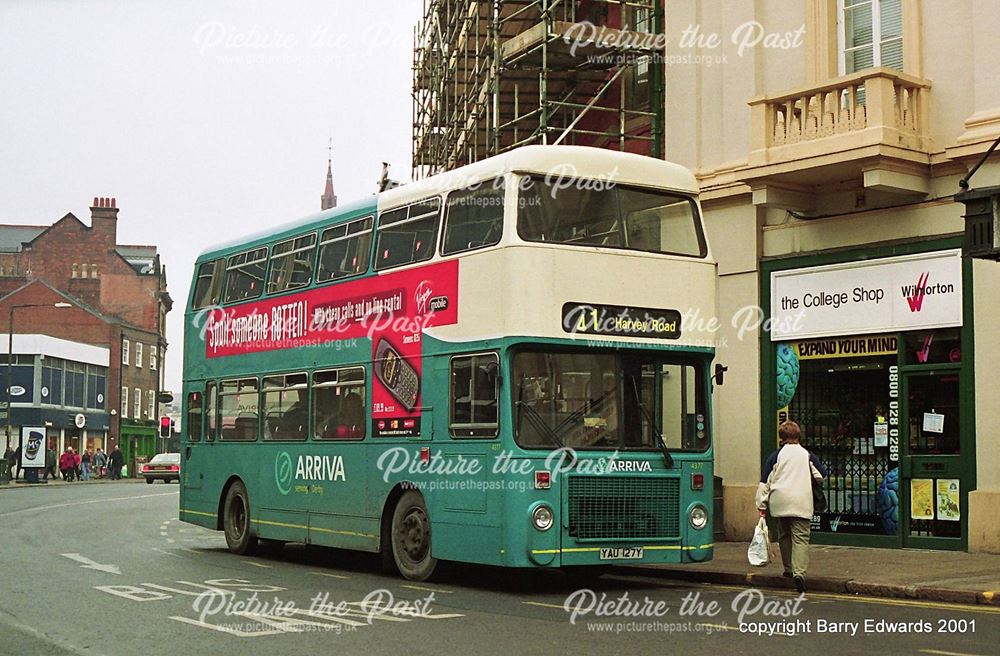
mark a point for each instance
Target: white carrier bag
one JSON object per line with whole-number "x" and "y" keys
{"x": 757, "y": 553}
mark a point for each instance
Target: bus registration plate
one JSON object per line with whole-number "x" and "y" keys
{"x": 621, "y": 553}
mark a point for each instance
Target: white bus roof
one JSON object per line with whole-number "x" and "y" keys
{"x": 562, "y": 163}
{"x": 565, "y": 164}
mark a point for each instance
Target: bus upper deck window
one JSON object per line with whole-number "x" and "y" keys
{"x": 474, "y": 218}
{"x": 208, "y": 288}
{"x": 407, "y": 234}
{"x": 344, "y": 250}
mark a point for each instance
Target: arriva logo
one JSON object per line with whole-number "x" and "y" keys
{"x": 308, "y": 468}
{"x": 283, "y": 472}
{"x": 630, "y": 466}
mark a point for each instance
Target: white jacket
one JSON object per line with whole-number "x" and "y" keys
{"x": 788, "y": 490}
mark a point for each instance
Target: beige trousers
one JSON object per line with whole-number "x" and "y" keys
{"x": 793, "y": 540}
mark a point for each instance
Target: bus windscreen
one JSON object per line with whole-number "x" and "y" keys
{"x": 608, "y": 215}
{"x": 588, "y": 400}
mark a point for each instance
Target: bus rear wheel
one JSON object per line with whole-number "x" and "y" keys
{"x": 411, "y": 538}
{"x": 236, "y": 520}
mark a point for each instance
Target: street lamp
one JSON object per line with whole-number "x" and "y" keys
{"x": 10, "y": 351}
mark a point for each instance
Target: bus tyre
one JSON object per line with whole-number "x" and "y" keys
{"x": 236, "y": 520}
{"x": 411, "y": 538}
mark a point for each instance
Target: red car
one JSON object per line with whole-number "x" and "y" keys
{"x": 164, "y": 466}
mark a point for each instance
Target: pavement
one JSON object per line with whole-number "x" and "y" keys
{"x": 944, "y": 576}
{"x": 20, "y": 484}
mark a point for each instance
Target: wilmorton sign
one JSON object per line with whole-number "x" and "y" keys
{"x": 912, "y": 292}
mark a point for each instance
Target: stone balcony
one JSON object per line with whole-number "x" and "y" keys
{"x": 866, "y": 130}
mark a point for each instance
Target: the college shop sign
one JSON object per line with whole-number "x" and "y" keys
{"x": 912, "y": 292}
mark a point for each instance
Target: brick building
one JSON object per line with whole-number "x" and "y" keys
{"x": 118, "y": 300}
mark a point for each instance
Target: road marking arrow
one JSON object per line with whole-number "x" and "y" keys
{"x": 90, "y": 564}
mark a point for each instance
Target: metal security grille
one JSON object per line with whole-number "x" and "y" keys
{"x": 837, "y": 402}
{"x": 623, "y": 507}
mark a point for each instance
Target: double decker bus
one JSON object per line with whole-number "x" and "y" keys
{"x": 488, "y": 366}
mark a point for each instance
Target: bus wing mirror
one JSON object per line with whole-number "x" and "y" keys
{"x": 720, "y": 374}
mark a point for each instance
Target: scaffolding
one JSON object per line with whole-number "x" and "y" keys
{"x": 491, "y": 75}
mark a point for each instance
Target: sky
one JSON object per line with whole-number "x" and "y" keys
{"x": 206, "y": 120}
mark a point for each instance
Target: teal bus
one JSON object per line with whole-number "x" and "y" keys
{"x": 492, "y": 365}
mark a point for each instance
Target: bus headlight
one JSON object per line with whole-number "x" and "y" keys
{"x": 698, "y": 517}
{"x": 542, "y": 518}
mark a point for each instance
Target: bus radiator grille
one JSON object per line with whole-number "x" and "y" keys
{"x": 623, "y": 507}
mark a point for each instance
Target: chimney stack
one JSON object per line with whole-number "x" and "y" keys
{"x": 104, "y": 217}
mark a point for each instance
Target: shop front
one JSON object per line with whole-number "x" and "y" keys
{"x": 138, "y": 444}
{"x": 871, "y": 353}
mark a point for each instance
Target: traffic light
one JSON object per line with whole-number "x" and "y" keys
{"x": 166, "y": 426}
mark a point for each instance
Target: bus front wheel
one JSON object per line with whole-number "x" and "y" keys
{"x": 411, "y": 538}
{"x": 236, "y": 520}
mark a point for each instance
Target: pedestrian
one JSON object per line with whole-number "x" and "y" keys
{"x": 50, "y": 463}
{"x": 785, "y": 491}
{"x": 85, "y": 465}
{"x": 8, "y": 457}
{"x": 116, "y": 462}
{"x": 77, "y": 461}
{"x": 100, "y": 462}
{"x": 67, "y": 464}
{"x": 17, "y": 462}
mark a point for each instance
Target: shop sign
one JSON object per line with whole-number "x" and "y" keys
{"x": 868, "y": 345}
{"x": 911, "y": 292}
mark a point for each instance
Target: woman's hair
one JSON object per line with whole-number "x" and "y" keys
{"x": 789, "y": 431}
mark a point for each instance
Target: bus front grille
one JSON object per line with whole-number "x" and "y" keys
{"x": 623, "y": 507}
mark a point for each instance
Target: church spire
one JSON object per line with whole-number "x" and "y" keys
{"x": 329, "y": 199}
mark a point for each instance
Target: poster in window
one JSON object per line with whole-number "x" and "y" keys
{"x": 933, "y": 422}
{"x": 948, "y": 508}
{"x": 881, "y": 430}
{"x": 922, "y": 498}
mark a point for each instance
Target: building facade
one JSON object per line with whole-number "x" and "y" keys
{"x": 829, "y": 145}
{"x": 117, "y": 300}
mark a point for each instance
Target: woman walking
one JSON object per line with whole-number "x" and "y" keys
{"x": 786, "y": 490}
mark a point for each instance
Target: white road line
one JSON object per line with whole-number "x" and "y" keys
{"x": 250, "y": 562}
{"x": 171, "y": 540}
{"x": 945, "y": 653}
{"x": 418, "y": 587}
{"x": 83, "y": 503}
{"x": 167, "y": 553}
{"x": 87, "y": 563}
{"x": 332, "y": 576}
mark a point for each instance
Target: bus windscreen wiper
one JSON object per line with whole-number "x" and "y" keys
{"x": 536, "y": 420}
{"x": 667, "y": 458}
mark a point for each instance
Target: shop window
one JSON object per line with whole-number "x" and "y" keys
{"x": 934, "y": 346}
{"x": 838, "y": 391}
